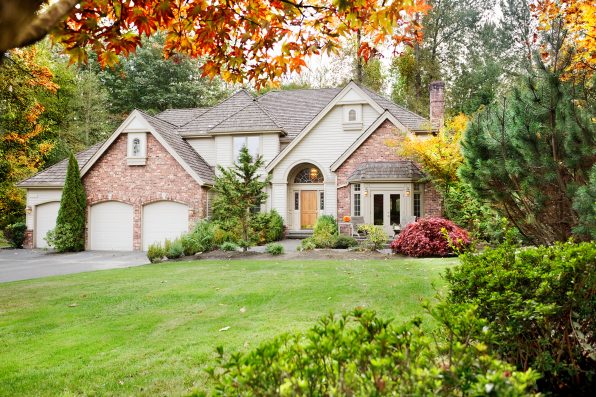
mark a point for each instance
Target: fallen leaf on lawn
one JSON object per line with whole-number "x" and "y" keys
{"x": 73, "y": 305}
{"x": 224, "y": 328}
{"x": 242, "y": 310}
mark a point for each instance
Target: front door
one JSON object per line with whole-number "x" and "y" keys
{"x": 308, "y": 209}
{"x": 387, "y": 210}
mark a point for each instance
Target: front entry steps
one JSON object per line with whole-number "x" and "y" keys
{"x": 299, "y": 234}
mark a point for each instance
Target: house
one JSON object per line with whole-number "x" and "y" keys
{"x": 326, "y": 150}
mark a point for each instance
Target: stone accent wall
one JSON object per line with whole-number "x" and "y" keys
{"x": 28, "y": 243}
{"x": 376, "y": 148}
{"x": 162, "y": 178}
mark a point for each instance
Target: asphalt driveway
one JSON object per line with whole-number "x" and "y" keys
{"x": 24, "y": 264}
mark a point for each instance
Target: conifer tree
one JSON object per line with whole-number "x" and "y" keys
{"x": 239, "y": 189}
{"x": 69, "y": 234}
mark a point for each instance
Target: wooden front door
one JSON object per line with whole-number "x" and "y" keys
{"x": 308, "y": 209}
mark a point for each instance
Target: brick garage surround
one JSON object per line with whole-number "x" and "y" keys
{"x": 161, "y": 178}
{"x": 375, "y": 148}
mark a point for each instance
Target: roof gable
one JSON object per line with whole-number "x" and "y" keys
{"x": 250, "y": 118}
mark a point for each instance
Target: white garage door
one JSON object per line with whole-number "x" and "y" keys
{"x": 46, "y": 215}
{"x": 162, "y": 220}
{"x": 110, "y": 226}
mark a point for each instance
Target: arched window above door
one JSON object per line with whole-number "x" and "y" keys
{"x": 309, "y": 175}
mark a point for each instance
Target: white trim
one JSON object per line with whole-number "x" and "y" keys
{"x": 150, "y": 129}
{"x": 351, "y": 86}
{"x": 367, "y": 133}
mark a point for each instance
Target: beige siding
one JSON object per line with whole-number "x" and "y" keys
{"x": 206, "y": 148}
{"x": 224, "y": 150}
{"x": 269, "y": 146}
{"x": 40, "y": 196}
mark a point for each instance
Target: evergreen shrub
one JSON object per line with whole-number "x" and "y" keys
{"x": 229, "y": 246}
{"x": 267, "y": 227}
{"x": 307, "y": 244}
{"x": 155, "y": 253}
{"x": 15, "y": 234}
{"x": 325, "y": 232}
{"x": 343, "y": 242}
{"x": 203, "y": 235}
{"x": 274, "y": 249}
{"x": 431, "y": 237}
{"x": 174, "y": 249}
{"x": 541, "y": 304}
{"x": 190, "y": 245}
{"x": 361, "y": 354}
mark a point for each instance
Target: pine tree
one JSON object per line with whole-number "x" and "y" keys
{"x": 69, "y": 234}
{"x": 529, "y": 154}
{"x": 239, "y": 189}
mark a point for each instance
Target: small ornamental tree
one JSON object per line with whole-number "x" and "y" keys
{"x": 239, "y": 189}
{"x": 431, "y": 237}
{"x": 69, "y": 234}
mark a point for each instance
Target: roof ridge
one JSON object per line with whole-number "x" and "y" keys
{"x": 157, "y": 118}
{"x": 267, "y": 114}
{"x": 299, "y": 89}
{"x": 390, "y": 100}
{"x": 215, "y": 106}
{"x": 229, "y": 117}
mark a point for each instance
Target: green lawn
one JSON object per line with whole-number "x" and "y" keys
{"x": 151, "y": 330}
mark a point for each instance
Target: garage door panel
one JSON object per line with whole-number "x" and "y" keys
{"x": 111, "y": 226}
{"x": 46, "y": 215}
{"x": 163, "y": 220}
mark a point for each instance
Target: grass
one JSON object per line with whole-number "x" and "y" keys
{"x": 152, "y": 330}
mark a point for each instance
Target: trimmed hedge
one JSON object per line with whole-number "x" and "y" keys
{"x": 431, "y": 237}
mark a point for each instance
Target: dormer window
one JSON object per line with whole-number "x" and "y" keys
{"x": 136, "y": 147}
{"x": 352, "y": 115}
{"x": 136, "y": 153}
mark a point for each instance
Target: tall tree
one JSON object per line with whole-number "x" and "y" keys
{"x": 239, "y": 189}
{"x": 148, "y": 81}
{"x": 245, "y": 40}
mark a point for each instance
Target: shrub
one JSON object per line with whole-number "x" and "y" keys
{"x": 225, "y": 233}
{"x": 325, "y": 232}
{"x": 430, "y": 237}
{"x": 274, "y": 249}
{"x": 204, "y": 236}
{"x": 173, "y": 249}
{"x": 345, "y": 242}
{"x": 542, "y": 308}
{"x": 229, "y": 246}
{"x": 376, "y": 238}
{"x": 307, "y": 244}
{"x": 268, "y": 227}
{"x": 63, "y": 237}
{"x": 155, "y": 253}
{"x": 362, "y": 354}
{"x": 15, "y": 234}
{"x": 190, "y": 244}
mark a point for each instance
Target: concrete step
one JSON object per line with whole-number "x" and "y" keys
{"x": 299, "y": 234}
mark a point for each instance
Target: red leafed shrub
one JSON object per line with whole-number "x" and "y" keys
{"x": 426, "y": 238}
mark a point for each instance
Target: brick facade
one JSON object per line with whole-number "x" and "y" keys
{"x": 376, "y": 148}
{"x": 161, "y": 178}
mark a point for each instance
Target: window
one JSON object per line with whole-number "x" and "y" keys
{"x": 296, "y": 201}
{"x": 309, "y": 175}
{"x": 321, "y": 200}
{"x": 252, "y": 143}
{"x": 356, "y": 202}
{"x": 352, "y": 115}
{"x": 136, "y": 147}
{"x": 417, "y": 202}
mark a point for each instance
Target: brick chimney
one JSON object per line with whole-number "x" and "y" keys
{"x": 437, "y": 103}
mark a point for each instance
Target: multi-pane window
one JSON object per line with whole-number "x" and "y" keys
{"x": 136, "y": 147}
{"x": 356, "y": 204}
{"x": 309, "y": 175}
{"x": 417, "y": 201}
{"x": 321, "y": 200}
{"x": 296, "y": 201}
{"x": 252, "y": 143}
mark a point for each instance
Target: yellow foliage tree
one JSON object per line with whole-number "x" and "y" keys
{"x": 439, "y": 155}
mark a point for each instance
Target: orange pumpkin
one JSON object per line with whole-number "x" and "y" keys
{"x": 347, "y": 219}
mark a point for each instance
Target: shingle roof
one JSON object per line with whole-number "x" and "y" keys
{"x": 410, "y": 120}
{"x": 294, "y": 109}
{"x": 386, "y": 170}
{"x": 179, "y": 117}
{"x": 55, "y": 175}
{"x": 250, "y": 118}
{"x": 214, "y": 116}
{"x": 183, "y": 148}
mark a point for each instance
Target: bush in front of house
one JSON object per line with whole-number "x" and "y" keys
{"x": 431, "y": 237}
{"x": 173, "y": 249}
{"x": 325, "y": 232}
{"x": 370, "y": 356}
{"x": 541, "y": 304}
{"x": 274, "y": 249}
{"x": 375, "y": 239}
{"x": 155, "y": 253}
{"x": 267, "y": 227}
{"x": 229, "y": 246}
{"x": 344, "y": 242}
{"x": 63, "y": 237}
{"x": 15, "y": 234}
{"x": 307, "y": 244}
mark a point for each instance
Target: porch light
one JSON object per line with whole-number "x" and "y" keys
{"x": 28, "y": 210}
{"x": 314, "y": 173}
{"x": 366, "y": 192}
{"x": 408, "y": 192}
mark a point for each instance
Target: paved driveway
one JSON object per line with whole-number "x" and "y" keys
{"x": 24, "y": 264}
